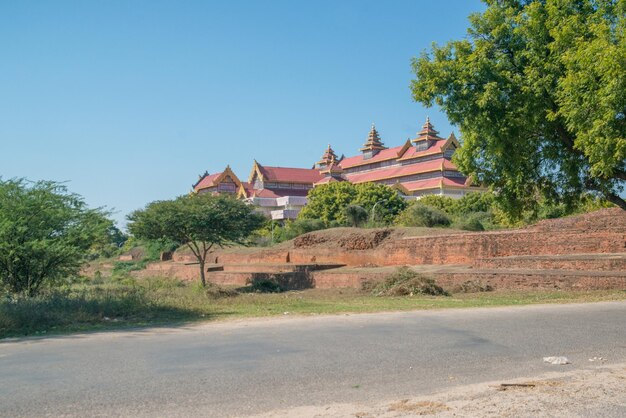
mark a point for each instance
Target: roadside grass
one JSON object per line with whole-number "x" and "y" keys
{"x": 111, "y": 303}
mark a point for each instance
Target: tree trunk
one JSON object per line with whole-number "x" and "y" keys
{"x": 202, "y": 276}
{"x": 617, "y": 200}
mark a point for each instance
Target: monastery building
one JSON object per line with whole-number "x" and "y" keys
{"x": 421, "y": 166}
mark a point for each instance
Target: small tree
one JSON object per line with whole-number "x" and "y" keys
{"x": 199, "y": 221}
{"x": 45, "y": 233}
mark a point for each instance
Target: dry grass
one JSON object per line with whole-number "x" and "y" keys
{"x": 107, "y": 303}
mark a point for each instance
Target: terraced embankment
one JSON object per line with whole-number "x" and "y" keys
{"x": 580, "y": 252}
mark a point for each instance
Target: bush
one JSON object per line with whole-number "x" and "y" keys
{"x": 418, "y": 214}
{"x": 470, "y": 222}
{"x": 443, "y": 203}
{"x": 264, "y": 286}
{"x": 406, "y": 282}
{"x": 355, "y": 215}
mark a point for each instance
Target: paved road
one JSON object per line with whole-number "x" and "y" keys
{"x": 239, "y": 368}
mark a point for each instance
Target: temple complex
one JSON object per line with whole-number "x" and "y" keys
{"x": 420, "y": 166}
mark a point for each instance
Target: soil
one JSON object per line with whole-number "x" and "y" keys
{"x": 593, "y": 392}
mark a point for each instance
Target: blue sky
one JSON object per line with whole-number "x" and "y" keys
{"x": 128, "y": 101}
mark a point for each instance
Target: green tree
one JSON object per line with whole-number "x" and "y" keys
{"x": 328, "y": 202}
{"x": 355, "y": 215}
{"x": 538, "y": 90}
{"x": 381, "y": 201}
{"x": 199, "y": 221}
{"x": 45, "y": 233}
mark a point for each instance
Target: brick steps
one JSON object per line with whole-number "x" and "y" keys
{"x": 278, "y": 267}
{"x": 599, "y": 262}
{"x": 452, "y": 276}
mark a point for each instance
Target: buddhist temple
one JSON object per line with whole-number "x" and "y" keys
{"x": 420, "y": 166}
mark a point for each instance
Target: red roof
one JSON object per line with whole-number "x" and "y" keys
{"x": 207, "y": 181}
{"x": 327, "y": 180}
{"x": 401, "y": 171}
{"x": 386, "y": 154}
{"x": 290, "y": 175}
{"x": 413, "y": 153}
{"x": 433, "y": 183}
{"x": 274, "y": 193}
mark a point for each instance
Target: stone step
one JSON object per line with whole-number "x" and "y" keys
{"x": 452, "y": 276}
{"x": 291, "y": 280}
{"x": 591, "y": 262}
{"x": 279, "y": 267}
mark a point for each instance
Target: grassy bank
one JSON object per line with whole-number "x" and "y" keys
{"x": 107, "y": 304}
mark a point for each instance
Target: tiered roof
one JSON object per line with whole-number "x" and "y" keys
{"x": 428, "y": 132}
{"x": 328, "y": 158}
{"x": 439, "y": 164}
{"x": 373, "y": 142}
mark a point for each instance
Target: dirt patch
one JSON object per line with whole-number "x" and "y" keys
{"x": 364, "y": 241}
{"x": 418, "y": 408}
{"x": 594, "y": 392}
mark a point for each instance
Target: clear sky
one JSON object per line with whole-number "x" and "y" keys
{"x": 128, "y": 101}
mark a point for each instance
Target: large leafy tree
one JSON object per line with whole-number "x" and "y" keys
{"x": 538, "y": 90}
{"x": 45, "y": 233}
{"x": 199, "y": 221}
{"x": 328, "y": 202}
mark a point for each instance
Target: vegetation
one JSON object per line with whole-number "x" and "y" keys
{"x": 46, "y": 234}
{"x": 406, "y": 282}
{"x": 538, "y": 89}
{"x": 355, "y": 215}
{"x": 418, "y": 214}
{"x": 108, "y": 303}
{"x": 199, "y": 221}
{"x": 328, "y": 202}
{"x": 273, "y": 232}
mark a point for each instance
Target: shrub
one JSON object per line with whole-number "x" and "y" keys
{"x": 355, "y": 215}
{"x": 470, "y": 222}
{"x": 443, "y": 203}
{"x": 406, "y": 282}
{"x": 264, "y": 286}
{"x": 421, "y": 215}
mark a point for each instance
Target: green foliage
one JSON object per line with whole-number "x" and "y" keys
{"x": 443, "y": 203}
{"x": 406, "y": 282}
{"x": 273, "y": 232}
{"x": 46, "y": 234}
{"x": 538, "y": 90}
{"x": 109, "y": 243}
{"x": 355, "y": 215}
{"x": 387, "y": 200}
{"x": 264, "y": 285}
{"x": 328, "y": 202}
{"x": 199, "y": 221}
{"x": 471, "y": 222}
{"x": 418, "y": 214}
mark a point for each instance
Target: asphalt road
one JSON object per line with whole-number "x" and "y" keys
{"x": 240, "y": 368}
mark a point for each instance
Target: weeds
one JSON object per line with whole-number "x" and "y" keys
{"x": 473, "y": 286}
{"x": 406, "y": 282}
